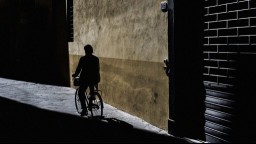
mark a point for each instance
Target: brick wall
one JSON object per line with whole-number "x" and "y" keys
{"x": 229, "y": 38}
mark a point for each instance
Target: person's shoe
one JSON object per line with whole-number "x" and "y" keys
{"x": 84, "y": 112}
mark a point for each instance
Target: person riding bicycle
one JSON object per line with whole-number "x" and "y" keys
{"x": 89, "y": 70}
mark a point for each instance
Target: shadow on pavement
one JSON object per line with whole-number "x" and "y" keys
{"x": 25, "y": 123}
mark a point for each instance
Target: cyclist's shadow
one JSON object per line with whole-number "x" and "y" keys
{"x": 113, "y": 122}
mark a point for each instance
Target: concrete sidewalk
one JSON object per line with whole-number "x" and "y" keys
{"x": 61, "y": 99}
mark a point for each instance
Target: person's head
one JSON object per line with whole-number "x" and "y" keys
{"x": 88, "y": 49}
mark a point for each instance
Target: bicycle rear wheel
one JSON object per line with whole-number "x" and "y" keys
{"x": 97, "y": 105}
{"x": 78, "y": 102}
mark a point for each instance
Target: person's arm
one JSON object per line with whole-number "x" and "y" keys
{"x": 98, "y": 65}
{"x": 98, "y": 70}
{"x": 78, "y": 68}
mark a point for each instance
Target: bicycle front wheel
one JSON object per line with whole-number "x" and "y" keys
{"x": 97, "y": 105}
{"x": 78, "y": 103}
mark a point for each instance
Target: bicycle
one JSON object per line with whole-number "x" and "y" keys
{"x": 96, "y": 107}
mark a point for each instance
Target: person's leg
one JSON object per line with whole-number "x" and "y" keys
{"x": 91, "y": 93}
{"x": 91, "y": 86}
{"x": 81, "y": 94}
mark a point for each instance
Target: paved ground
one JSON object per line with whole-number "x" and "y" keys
{"x": 20, "y": 97}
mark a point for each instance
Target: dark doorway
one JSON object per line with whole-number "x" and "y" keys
{"x": 187, "y": 92}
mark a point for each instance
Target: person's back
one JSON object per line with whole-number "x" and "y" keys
{"x": 90, "y": 69}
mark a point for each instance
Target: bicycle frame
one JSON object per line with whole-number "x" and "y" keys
{"x": 96, "y": 107}
{"x": 96, "y": 103}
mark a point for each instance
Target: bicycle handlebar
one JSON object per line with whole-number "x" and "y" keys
{"x": 95, "y": 86}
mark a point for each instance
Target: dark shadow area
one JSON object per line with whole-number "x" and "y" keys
{"x": 25, "y": 123}
{"x": 33, "y": 41}
{"x": 246, "y": 99}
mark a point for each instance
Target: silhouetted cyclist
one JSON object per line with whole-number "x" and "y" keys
{"x": 89, "y": 70}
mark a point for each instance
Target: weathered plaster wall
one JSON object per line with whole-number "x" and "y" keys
{"x": 130, "y": 37}
{"x": 124, "y": 29}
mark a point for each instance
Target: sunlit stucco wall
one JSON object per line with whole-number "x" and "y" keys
{"x": 130, "y": 38}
